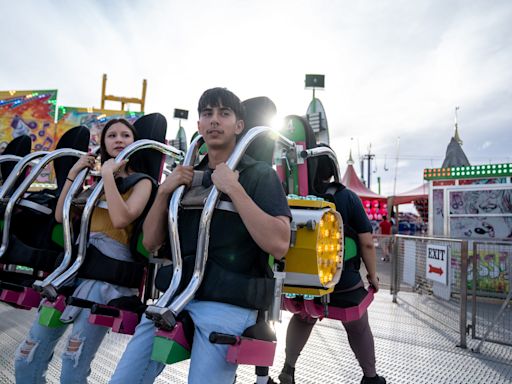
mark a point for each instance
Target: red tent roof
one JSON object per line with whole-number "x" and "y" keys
{"x": 417, "y": 193}
{"x": 352, "y": 182}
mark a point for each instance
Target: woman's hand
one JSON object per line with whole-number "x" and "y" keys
{"x": 110, "y": 167}
{"x": 86, "y": 161}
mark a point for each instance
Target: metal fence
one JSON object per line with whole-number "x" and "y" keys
{"x": 490, "y": 288}
{"x": 477, "y": 292}
{"x": 409, "y": 267}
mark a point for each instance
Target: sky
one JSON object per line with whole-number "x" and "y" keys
{"x": 394, "y": 70}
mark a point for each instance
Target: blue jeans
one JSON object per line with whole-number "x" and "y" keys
{"x": 207, "y": 361}
{"x": 35, "y": 353}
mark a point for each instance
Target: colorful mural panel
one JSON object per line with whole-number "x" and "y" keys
{"x": 492, "y": 269}
{"x": 492, "y": 273}
{"x": 31, "y": 113}
{"x": 94, "y": 119}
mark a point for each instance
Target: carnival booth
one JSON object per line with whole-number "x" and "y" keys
{"x": 417, "y": 196}
{"x": 471, "y": 202}
{"x": 374, "y": 204}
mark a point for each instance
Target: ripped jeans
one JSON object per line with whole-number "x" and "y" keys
{"x": 36, "y": 351}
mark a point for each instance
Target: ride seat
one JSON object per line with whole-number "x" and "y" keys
{"x": 35, "y": 247}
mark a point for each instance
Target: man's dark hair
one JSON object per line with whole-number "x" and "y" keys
{"x": 216, "y": 97}
{"x": 384, "y": 217}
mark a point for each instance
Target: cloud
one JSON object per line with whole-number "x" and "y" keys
{"x": 393, "y": 68}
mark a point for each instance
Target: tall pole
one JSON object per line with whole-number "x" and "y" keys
{"x": 396, "y": 164}
{"x": 362, "y": 169}
{"x": 394, "y": 182}
{"x": 369, "y": 157}
{"x": 369, "y": 169}
{"x": 103, "y": 89}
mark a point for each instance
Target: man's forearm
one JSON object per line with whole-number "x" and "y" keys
{"x": 368, "y": 253}
{"x": 155, "y": 224}
{"x": 272, "y": 234}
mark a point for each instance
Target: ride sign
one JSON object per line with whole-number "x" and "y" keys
{"x": 437, "y": 263}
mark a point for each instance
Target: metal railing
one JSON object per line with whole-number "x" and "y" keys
{"x": 490, "y": 285}
{"x": 477, "y": 296}
{"x": 409, "y": 267}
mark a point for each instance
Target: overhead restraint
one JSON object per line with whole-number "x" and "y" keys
{"x": 122, "y": 314}
{"x": 32, "y": 240}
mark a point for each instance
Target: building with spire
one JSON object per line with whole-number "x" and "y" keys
{"x": 455, "y": 156}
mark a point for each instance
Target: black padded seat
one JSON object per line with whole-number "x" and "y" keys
{"x": 259, "y": 111}
{"x": 19, "y": 146}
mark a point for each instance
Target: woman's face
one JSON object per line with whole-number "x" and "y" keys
{"x": 117, "y": 138}
{"x": 487, "y": 202}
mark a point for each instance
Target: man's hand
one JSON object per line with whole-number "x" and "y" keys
{"x": 224, "y": 179}
{"x": 181, "y": 175}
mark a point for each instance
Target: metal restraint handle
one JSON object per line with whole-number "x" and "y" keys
{"x": 6, "y": 158}
{"x": 184, "y": 298}
{"x": 322, "y": 151}
{"x": 83, "y": 238}
{"x": 75, "y": 187}
{"x": 155, "y": 312}
{"x": 20, "y": 191}
{"x": 17, "y": 171}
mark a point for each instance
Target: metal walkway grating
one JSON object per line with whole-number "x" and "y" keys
{"x": 413, "y": 345}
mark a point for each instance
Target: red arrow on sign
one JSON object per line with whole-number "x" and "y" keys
{"x": 432, "y": 269}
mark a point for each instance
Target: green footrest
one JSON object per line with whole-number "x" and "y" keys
{"x": 50, "y": 317}
{"x": 168, "y": 351}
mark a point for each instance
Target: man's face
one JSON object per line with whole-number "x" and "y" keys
{"x": 219, "y": 127}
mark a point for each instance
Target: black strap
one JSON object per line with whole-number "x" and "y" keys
{"x": 98, "y": 266}
{"x": 124, "y": 184}
{"x": 20, "y": 253}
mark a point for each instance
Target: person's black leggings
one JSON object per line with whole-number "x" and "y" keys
{"x": 359, "y": 335}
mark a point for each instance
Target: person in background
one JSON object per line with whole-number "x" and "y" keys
{"x": 359, "y": 334}
{"x": 385, "y": 230}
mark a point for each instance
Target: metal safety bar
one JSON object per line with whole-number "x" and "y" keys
{"x": 20, "y": 191}
{"x": 50, "y": 290}
{"x": 75, "y": 187}
{"x": 322, "y": 151}
{"x": 177, "y": 262}
{"x": 17, "y": 170}
{"x": 6, "y": 158}
{"x": 167, "y": 317}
